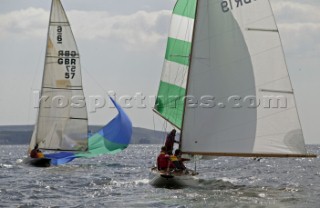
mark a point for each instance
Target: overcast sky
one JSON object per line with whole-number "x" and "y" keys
{"x": 122, "y": 45}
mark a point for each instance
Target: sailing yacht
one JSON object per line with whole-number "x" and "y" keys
{"x": 225, "y": 84}
{"x": 62, "y": 122}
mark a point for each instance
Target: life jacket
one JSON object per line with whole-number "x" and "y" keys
{"x": 40, "y": 155}
{"x": 173, "y": 158}
{"x": 176, "y": 163}
{"x": 162, "y": 161}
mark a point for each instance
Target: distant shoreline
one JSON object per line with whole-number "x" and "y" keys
{"x": 21, "y": 134}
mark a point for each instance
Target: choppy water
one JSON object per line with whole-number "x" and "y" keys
{"x": 122, "y": 181}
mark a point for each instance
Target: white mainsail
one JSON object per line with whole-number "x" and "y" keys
{"x": 61, "y": 125}
{"x": 242, "y": 101}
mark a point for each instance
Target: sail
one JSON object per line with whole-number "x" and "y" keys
{"x": 62, "y": 122}
{"x": 111, "y": 139}
{"x": 238, "y": 74}
{"x": 172, "y": 88}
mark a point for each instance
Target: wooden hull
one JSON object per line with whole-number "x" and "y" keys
{"x": 38, "y": 162}
{"x": 173, "y": 180}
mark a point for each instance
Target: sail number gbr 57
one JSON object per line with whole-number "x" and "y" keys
{"x": 66, "y": 57}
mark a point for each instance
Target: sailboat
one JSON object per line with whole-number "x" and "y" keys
{"x": 225, "y": 83}
{"x": 62, "y": 122}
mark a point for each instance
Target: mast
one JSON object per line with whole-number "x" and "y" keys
{"x": 188, "y": 77}
{"x": 35, "y": 131}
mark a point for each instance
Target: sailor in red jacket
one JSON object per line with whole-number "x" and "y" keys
{"x": 163, "y": 159}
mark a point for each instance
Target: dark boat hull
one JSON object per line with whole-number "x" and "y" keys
{"x": 38, "y": 162}
{"x": 180, "y": 180}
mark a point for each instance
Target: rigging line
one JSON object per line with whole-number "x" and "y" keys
{"x": 154, "y": 125}
{"x": 164, "y": 128}
{"x": 51, "y": 136}
{"x": 95, "y": 81}
{"x": 171, "y": 122}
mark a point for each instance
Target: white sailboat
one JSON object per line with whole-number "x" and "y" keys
{"x": 225, "y": 83}
{"x": 62, "y": 122}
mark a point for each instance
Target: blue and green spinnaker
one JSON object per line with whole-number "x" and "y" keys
{"x": 111, "y": 139}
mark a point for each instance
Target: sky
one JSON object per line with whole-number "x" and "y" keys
{"x": 122, "y": 45}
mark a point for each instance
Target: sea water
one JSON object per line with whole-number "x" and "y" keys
{"x": 122, "y": 180}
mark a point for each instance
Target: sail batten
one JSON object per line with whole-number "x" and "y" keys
{"x": 60, "y": 22}
{"x": 76, "y": 56}
{"x": 263, "y": 30}
{"x": 56, "y": 88}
